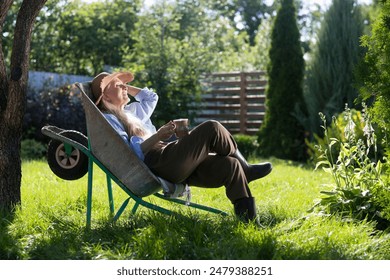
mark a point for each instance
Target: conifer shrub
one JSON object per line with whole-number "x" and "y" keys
{"x": 281, "y": 135}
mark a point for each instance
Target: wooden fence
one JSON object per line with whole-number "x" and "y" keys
{"x": 236, "y": 100}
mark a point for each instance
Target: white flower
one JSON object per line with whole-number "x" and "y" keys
{"x": 368, "y": 130}
{"x": 349, "y": 130}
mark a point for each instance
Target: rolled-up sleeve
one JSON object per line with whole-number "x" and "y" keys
{"x": 147, "y": 101}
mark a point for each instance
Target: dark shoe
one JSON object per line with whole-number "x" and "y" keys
{"x": 253, "y": 171}
{"x": 257, "y": 171}
{"x": 245, "y": 209}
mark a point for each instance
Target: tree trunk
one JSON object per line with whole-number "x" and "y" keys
{"x": 12, "y": 100}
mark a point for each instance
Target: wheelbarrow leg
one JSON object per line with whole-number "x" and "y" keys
{"x": 89, "y": 194}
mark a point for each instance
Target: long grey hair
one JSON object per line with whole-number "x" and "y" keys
{"x": 132, "y": 124}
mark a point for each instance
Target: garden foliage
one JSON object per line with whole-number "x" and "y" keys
{"x": 375, "y": 70}
{"x": 329, "y": 80}
{"x": 336, "y": 130}
{"x": 361, "y": 184}
{"x": 247, "y": 144}
{"x": 60, "y": 107}
{"x": 281, "y": 134}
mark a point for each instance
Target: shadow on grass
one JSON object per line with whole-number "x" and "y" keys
{"x": 186, "y": 236}
{"x": 150, "y": 235}
{"x": 7, "y": 243}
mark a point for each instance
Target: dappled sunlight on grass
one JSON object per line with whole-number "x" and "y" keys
{"x": 50, "y": 224}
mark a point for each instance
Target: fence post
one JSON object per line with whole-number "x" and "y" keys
{"x": 243, "y": 103}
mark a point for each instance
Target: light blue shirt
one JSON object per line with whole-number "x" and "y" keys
{"x": 143, "y": 110}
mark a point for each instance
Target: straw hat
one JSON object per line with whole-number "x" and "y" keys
{"x": 100, "y": 82}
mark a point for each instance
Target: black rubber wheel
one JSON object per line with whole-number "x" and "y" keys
{"x": 68, "y": 166}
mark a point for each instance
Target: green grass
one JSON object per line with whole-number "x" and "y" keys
{"x": 50, "y": 224}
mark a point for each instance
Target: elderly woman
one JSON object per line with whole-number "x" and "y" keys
{"x": 206, "y": 157}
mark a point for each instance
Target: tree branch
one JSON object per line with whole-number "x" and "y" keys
{"x": 17, "y": 85}
{"x": 4, "y": 7}
{"x": 28, "y": 12}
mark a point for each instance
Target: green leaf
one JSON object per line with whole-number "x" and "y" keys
{"x": 329, "y": 192}
{"x": 320, "y": 163}
{"x": 378, "y": 167}
{"x": 328, "y": 170}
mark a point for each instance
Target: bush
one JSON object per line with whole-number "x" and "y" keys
{"x": 247, "y": 145}
{"x": 374, "y": 71}
{"x": 361, "y": 190}
{"x": 32, "y": 149}
{"x": 334, "y": 130}
{"x": 337, "y": 130}
{"x": 57, "y": 106}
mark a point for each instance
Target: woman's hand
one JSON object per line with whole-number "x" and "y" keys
{"x": 132, "y": 90}
{"x": 166, "y": 131}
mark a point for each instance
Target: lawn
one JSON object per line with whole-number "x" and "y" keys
{"x": 50, "y": 224}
